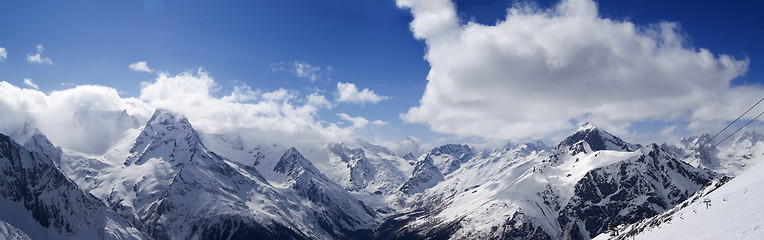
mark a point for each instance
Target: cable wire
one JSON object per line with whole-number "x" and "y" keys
{"x": 733, "y": 122}
{"x": 695, "y": 151}
{"x": 738, "y": 130}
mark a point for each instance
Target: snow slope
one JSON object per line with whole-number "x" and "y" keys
{"x": 37, "y": 198}
{"x": 174, "y": 187}
{"x": 9, "y": 232}
{"x": 531, "y": 191}
{"x": 734, "y": 212}
{"x": 173, "y": 182}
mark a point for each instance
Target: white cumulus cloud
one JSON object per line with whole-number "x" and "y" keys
{"x": 140, "y": 66}
{"x": 539, "y": 71}
{"x": 358, "y": 122}
{"x": 379, "y": 122}
{"x": 407, "y": 145}
{"x": 318, "y": 100}
{"x": 280, "y": 116}
{"x": 30, "y": 83}
{"x": 276, "y": 116}
{"x": 348, "y": 92}
{"x": 37, "y": 56}
{"x": 53, "y": 113}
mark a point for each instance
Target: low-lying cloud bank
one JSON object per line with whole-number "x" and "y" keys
{"x": 280, "y": 116}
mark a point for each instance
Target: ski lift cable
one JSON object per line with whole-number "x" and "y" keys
{"x": 738, "y": 130}
{"x": 694, "y": 152}
{"x": 733, "y": 122}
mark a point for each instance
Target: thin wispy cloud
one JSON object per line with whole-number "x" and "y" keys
{"x": 3, "y": 54}
{"x": 37, "y": 56}
{"x": 30, "y": 83}
{"x": 140, "y": 66}
{"x": 348, "y": 92}
{"x": 303, "y": 70}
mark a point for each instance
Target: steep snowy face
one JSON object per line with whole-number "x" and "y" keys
{"x": 176, "y": 188}
{"x": 33, "y": 140}
{"x": 590, "y": 139}
{"x": 627, "y": 191}
{"x": 338, "y": 212}
{"x": 211, "y": 197}
{"x": 40, "y": 200}
{"x": 727, "y": 208}
{"x": 477, "y": 200}
{"x": 529, "y": 191}
{"x": 425, "y": 175}
{"x": 361, "y": 171}
{"x": 165, "y": 135}
{"x": 449, "y": 157}
{"x": 8, "y": 231}
{"x": 134, "y": 182}
{"x": 293, "y": 165}
{"x": 369, "y": 168}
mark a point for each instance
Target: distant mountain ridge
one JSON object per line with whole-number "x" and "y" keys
{"x": 162, "y": 181}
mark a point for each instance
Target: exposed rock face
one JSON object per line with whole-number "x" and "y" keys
{"x": 449, "y": 157}
{"x": 590, "y": 139}
{"x": 629, "y": 191}
{"x": 30, "y": 180}
{"x": 425, "y": 176}
{"x": 168, "y": 176}
{"x": 339, "y": 213}
{"x": 590, "y": 179}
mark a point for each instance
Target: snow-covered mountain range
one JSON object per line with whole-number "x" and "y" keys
{"x": 166, "y": 180}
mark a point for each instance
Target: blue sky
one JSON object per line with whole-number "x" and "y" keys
{"x": 365, "y": 42}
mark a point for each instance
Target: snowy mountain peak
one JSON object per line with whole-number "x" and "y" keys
{"x": 25, "y": 134}
{"x": 168, "y": 136}
{"x": 42, "y": 201}
{"x": 455, "y": 150}
{"x": 648, "y": 182}
{"x": 528, "y": 147}
{"x": 590, "y": 139}
{"x": 753, "y": 137}
{"x": 292, "y": 163}
{"x": 449, "y": 157}
{"x": 33, "y": 140}
{"x": 696, "y": 142}
{"x": 167, "y": 117}
{"x": 409, "y": 156}
{"x": 586, "y": 126}
{"x": 425, "y": 175}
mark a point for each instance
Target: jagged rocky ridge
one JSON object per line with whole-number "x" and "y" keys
{"x": 170, "y": 185}
{"x": 726, "y": 208}
{"x": 38, "y": 199}
{"x": 531, "y": 191}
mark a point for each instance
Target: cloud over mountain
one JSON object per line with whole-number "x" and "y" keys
{"x": 534, "y": 73}
{"x": 279, "y": 116}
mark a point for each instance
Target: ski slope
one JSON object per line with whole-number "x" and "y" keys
{"x": 735, "y": 212}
